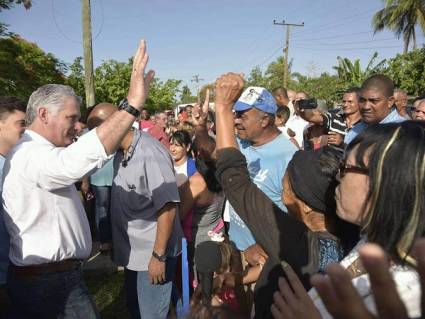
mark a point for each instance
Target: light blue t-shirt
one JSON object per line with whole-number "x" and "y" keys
{"x": 103, "y": 176}
{"x": 4, "y": 235}
{"x": 266, "y": 165}
{"x": 393, "y": 117}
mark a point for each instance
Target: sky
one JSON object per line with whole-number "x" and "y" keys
{"x": 209, "y": 38}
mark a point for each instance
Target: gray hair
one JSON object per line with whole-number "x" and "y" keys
{"x": 50, "y": 96}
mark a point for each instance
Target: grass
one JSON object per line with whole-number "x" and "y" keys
{"x": 108, "y": 292}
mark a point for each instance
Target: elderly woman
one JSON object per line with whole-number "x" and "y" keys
{"x": 382, "y": 190}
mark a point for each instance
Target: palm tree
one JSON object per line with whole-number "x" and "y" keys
{"x": 352, "y": 74}
{"x": 401, "y": 17}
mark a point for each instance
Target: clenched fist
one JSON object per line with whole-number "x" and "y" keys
{"x": 228, "y": 89}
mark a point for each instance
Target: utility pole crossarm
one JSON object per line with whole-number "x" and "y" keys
{"x": 286, "y": 49}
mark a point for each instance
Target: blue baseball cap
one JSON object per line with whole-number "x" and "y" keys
{"x": 257, "y": 97}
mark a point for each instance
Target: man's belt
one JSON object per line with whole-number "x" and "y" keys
{"x": 47, "y": 268}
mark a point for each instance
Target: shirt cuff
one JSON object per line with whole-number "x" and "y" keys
{"x": 92, "y": 142}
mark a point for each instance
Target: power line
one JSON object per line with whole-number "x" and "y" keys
{"x": 65, "y": 35}
{"x": 336, "y": 36}
{"x": 270, "y": 56}
{"x": 345, "y": 43}
{"x": 345, "y": 49}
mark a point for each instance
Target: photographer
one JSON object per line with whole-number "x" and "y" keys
{"x": 337, "y": 123}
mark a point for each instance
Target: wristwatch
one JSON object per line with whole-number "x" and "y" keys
{"x": 124, "y": 105}
{"x": 162, "y": 258}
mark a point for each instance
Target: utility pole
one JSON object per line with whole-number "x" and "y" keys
{"x": 196, "y": 79}
{"x": 88, "y": 54}
{"x": 286, "y": 49}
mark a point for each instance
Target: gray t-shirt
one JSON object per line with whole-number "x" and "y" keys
{"x": 141, "y": 187}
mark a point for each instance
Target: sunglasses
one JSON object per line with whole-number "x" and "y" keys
{"x": 345, "y": 168}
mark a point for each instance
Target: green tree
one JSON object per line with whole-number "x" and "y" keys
{"x": 256, "y": 78}
{"x": 352, "y": 74}
{"x": 75, "y": 78}
{"x": 325, "y": 87}
{"x": 408, "y": 71}
{"x": 272, "y": 77}
{"x": 203, "y": 92}
{"x": 24, "y": 67}
{"x": 401, "y": 17}
{"x": 111, "y": 81}
{"x": 163, "y": 94}
{"x": 186, "y": 96}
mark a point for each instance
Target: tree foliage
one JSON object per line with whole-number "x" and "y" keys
{"x": 272, "y": 77}
{"x": 401, "y": 17}
{"x": 325, "y": 87}
{"x": 163, "y": 94}
{"x": 352, "y": 74}
{"x": 186, "y": 96}
{"x": 112, "y": 79}
{"x": 408, "y": 71}
{"x": 24, "y": 67}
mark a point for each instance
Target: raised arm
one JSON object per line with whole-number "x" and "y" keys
{"x": 113, "y": 130}
{"x": 228, "y": 89}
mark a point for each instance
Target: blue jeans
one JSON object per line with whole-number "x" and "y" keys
{"x": 56, "y": 295}
{"x": 153, "y": 301}
{"x": 102, "y": 197}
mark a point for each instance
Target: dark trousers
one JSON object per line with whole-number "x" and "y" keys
{"x": 51, "y": 295}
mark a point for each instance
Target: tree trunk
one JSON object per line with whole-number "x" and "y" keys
{"x": 406, "y": 46}
{"x": 414, "y": 39}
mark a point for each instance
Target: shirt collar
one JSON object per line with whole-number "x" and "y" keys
{"x": 393, "y": 116}
{"x": 30, "y": 134}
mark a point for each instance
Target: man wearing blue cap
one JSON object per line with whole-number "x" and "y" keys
{"x": 267, "y": 152}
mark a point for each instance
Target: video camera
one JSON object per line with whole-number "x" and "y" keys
{"x": 307, "y": 104}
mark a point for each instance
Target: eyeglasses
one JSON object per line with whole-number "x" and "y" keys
{"x": 345, "y": 168}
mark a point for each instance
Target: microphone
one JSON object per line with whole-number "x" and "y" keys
{"x": 207, "y": 260}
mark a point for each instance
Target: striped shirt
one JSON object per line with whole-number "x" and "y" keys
{"x": 335, "y": 122}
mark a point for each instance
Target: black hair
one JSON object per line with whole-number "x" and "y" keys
{"x": 283, "y": 112}
{"x": 396, "y": 195}
{"x": 205, "y": 164}
{"x": 356, "y": 90}
{"x": 10, "y": 104}
{"x": 181, "y": 137}
{"x": 381, "y": 83}
{"x": 280, "y": 91}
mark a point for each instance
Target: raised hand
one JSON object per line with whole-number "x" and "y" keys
{"x": 291, "y": 301}
{"x": 228, "y": 89}
{"x": 139, "y": 81}
{"x": 200, "y": 115}
{"x": 341, "y": 298}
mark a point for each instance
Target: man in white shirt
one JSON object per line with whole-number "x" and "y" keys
{"x": 49, "y": 231}
{"x": 296, "y": 123}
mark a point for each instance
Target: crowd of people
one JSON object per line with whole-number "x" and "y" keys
{"x": 289, "y": 209}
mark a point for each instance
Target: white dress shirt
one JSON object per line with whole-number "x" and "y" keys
{"x": 43, "y": 211}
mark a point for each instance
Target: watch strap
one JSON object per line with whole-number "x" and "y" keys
{"x": 161, "y": 258}
{"x": 124, "y": 105}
